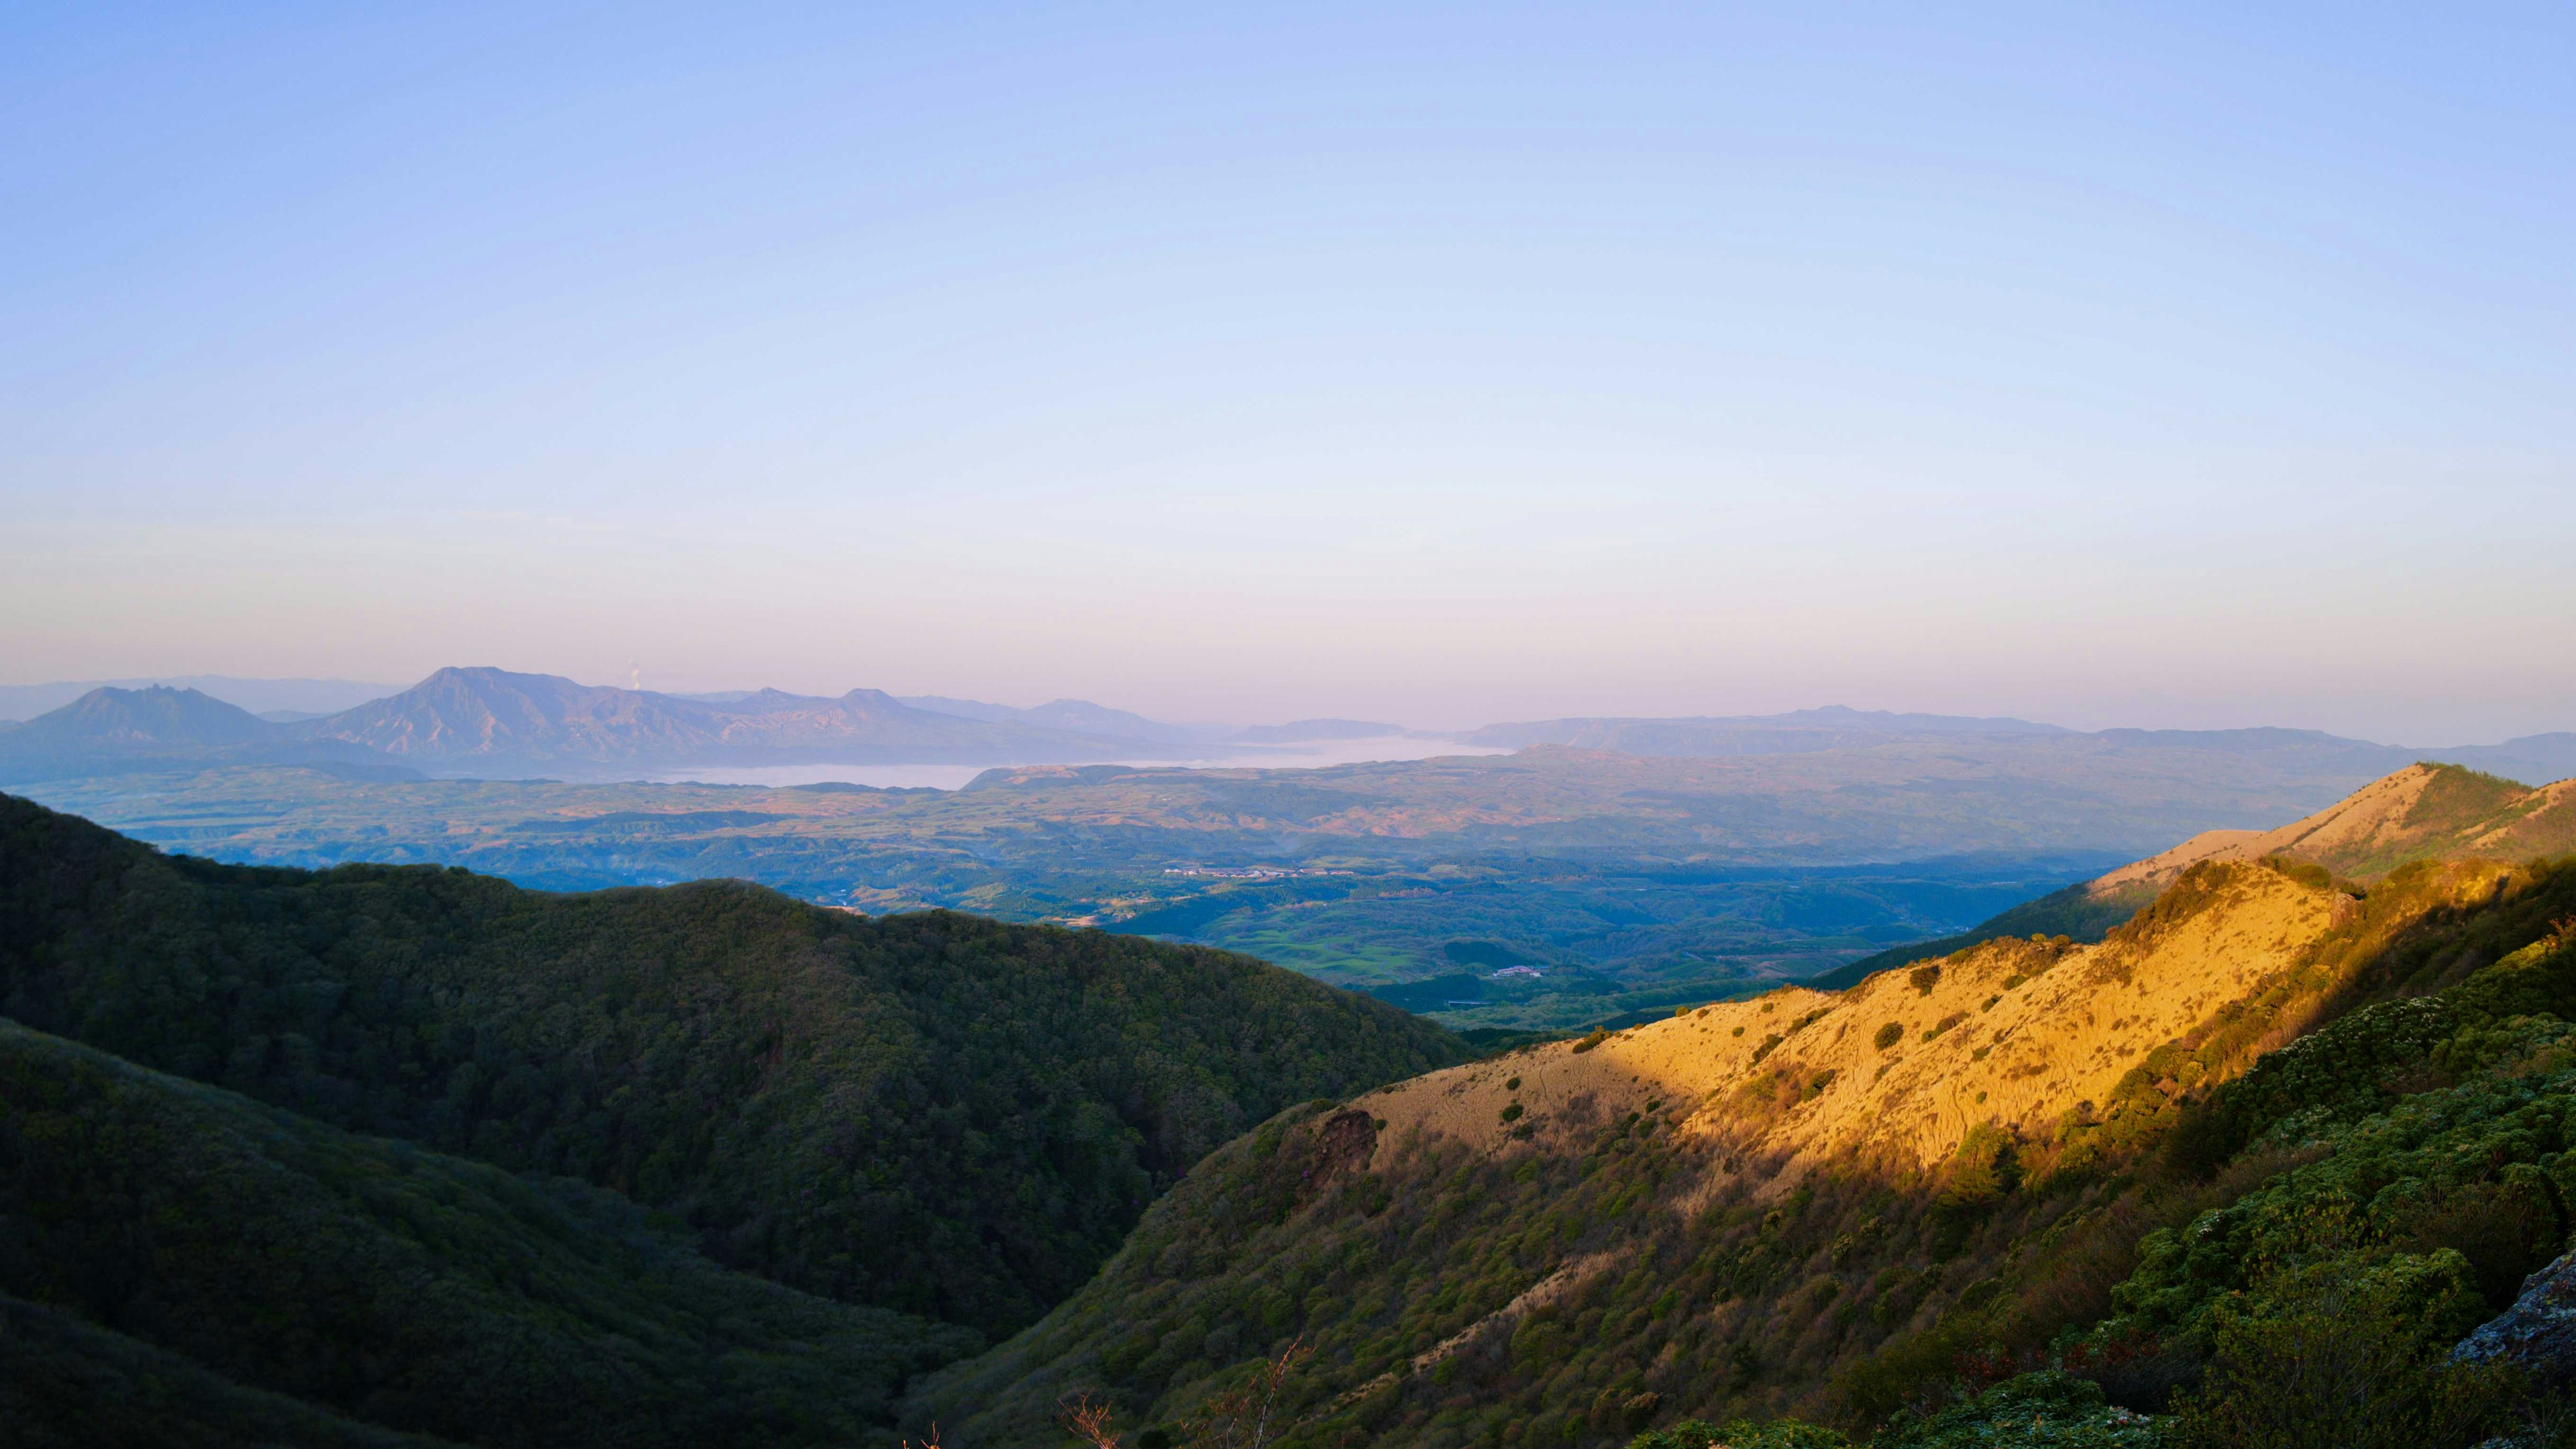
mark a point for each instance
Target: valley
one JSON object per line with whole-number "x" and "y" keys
{"x": 1552, "y": 889}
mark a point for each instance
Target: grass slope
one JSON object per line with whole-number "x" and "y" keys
{"x": 1626, "y": 1250}
{"x": 2075, "y": 913}
{"x": 930, "y": 1113}
{"x": 393, "y": 1285}
{"x": 2424, "y": 812}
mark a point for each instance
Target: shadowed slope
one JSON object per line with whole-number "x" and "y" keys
{"x": 407, "y": 1288}
{"x": 932, "y": 1113}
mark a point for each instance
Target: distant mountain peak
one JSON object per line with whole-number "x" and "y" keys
{"x": 154, "y": 715}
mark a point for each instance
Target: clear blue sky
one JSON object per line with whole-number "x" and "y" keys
{"x": 2179, "y": 365}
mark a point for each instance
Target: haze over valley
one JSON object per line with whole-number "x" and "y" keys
{"x": 1547, "y": 875}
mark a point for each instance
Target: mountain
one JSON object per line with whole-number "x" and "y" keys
{"x": 2422, "y": 812}
{"x": 258, "y": 696}
{"x": 1080, "y": 716}
{"x": 154, "y": 717}
{"x": 929, "y": 1113}
{"x": 423, "y": 1292}
{"x": 484, "y": 721}
{"x": 460, "y": 713}
{"x": 1841, "y": 1204}
{"x": 112, "y": 731}
{"x": 2533, "y": 757}
{"x": 2547, "y": 757}
{"x": 1832, "y": 727}
{"x": 1305, "y": 730}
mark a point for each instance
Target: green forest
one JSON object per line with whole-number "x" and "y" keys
{"x": 946, "y": 1121}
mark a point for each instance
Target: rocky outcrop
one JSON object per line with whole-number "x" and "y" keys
{"x": 2538, "y": 1332}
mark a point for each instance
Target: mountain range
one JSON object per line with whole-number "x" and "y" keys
{"x": 2540, "y": 757}
{"x": 491, "y": 723}
{"x": 1080, "y": 716}
{"x": 475, "y": 720}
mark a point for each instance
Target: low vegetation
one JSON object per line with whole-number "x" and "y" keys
{"x": 1618, "y": 1284}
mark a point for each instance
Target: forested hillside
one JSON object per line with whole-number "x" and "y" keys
{"x": 1850, "y": 1207}
{"x": 932, "y": 1113}
{"x": 408, "y": 1288}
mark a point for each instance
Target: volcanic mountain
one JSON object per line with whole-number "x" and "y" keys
{"x": 485, "y": 721}
{"x": 116, "y": 731}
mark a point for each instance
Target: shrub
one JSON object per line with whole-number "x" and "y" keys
{"x": 2051, "y": 1409}
{"x": 2338, "y": 1358}
{"x": 1888, "y": 1035}
{"x": 1741, "y": 1434}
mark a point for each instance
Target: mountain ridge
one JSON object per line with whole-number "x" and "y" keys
{"x": 465, "y": 720}
{"x": 1792, "y": 1203}
{"x": 2421, "y": 812}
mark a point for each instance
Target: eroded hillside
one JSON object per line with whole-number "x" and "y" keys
{"x": 1754, "y": 1207}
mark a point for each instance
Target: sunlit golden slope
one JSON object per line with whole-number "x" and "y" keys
{"x": 2420, "y": 812}
{"x": 1728, "y": 1211}
{"x": 2012, "y": 1032}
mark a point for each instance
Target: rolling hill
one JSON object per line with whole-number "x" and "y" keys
{"x": 1834, "y": 727}
{"x": 1796, "y": 732}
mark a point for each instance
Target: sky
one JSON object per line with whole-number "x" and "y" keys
{"x": 2186, "y": 365}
